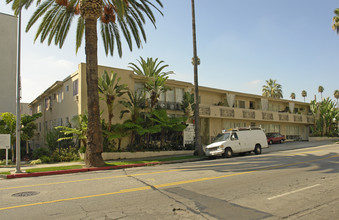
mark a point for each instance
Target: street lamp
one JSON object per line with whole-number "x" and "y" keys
{"x": 196, "y": 62}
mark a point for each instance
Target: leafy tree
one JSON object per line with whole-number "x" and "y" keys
{"x": 78, "y": 130}
{"x": 292, "y": 95}
{"x": 133, "y": 105}
{"x": 119, "y": 131}
{"x": 321, "y": 90}
{"x": 8, "y": 126}
{"x": 110, "y": 88}
{"x": 327, "y": 115}
{"x": 188, "y": 104}
{"x": 335, "y": 21}
{"x": 28, "y": 127}
{"x": 304, "y": 94}
{"x": 161, "y": 119}
{"x": 156, "y": 79}
{"x": 336, "y": 95}
{"x": 113, "y": 16}
{"x": 272, "y": 89}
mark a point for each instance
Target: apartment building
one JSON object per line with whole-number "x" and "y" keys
{"x": 219, "y": 109}
{"x": 8, "y": 48}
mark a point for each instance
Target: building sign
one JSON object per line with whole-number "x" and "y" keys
{"x": 5, "y": 141}
{"x": 189, "y": 134}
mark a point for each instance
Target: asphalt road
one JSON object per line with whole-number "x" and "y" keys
{"x": 282, "y": 183}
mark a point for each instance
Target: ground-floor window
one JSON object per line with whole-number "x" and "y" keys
{"x": 271, "y": 127}
{"x": 230, "y": 124}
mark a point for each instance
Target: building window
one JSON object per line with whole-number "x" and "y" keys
{"x": 239, "y": 104}
{"x": 179, "y": 93}
{"x": 273, "y": 107}
{"x": 59, "y": 96}
{"x": 75, "y": 87}
{"x": 48, "y": 103}
{"x": 38, "y": 109}
{"x": 67, "y": 88}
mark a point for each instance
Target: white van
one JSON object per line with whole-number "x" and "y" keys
{"x": 239, "y": 140}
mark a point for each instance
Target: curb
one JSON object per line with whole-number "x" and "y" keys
{"x": 47, "y": 173}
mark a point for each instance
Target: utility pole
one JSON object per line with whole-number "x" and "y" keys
{"x": 18, "y": 89}
{"x": 196, "y": 62}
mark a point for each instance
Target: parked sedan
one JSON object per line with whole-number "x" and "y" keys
{"x": 275, "y": 137}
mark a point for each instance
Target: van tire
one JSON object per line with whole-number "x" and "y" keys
{"x": 257, "y": 149}
{"x": 228, "y": 153}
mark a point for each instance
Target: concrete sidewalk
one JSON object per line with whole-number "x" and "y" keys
{"x": 24, "y": 167}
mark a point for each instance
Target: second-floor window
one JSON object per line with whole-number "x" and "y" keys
{"x": 38, "y": 108}
{"x": 239, "y": 104}
{"x": 59, "y": 96}
{"x": 48, "y": 103}
{"x": 75, "y": 87}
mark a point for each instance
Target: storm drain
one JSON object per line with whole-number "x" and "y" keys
{"x": 25, "y": 194}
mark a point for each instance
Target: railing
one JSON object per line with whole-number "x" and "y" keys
{"x": 256, "y": 115}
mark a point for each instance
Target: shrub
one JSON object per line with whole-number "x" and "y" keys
{"x": 34, "y": 162}
{"x": 3, "y": 162}
{"x": 82, "y": 149}
{"x": 65, "y": 155}
{"x": 45, "y": 159}
{"x": 39, "y": 152}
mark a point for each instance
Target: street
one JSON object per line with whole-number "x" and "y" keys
{"x": 288, "y": 181}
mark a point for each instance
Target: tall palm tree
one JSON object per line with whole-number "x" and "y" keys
{"x": 152, "y": 70}
{"x": 335, "y": 21}
{"x": 127, "y": 16}
{"x": 336, "y": 95}
{"x": 272, "y": 89}
{"x": 304, "y": 94}
{"x": 292, "y": 95}
{"x": 110, "y": 88}
{"x": 321, "y": 90}
{"x": 196, "y": 61}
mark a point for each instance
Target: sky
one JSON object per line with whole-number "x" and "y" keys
{"x": 241, "y": 44}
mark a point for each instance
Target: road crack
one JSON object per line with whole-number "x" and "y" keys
{"x": 174, "y": 210}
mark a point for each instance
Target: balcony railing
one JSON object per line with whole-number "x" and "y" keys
{"x": 255, "y": 115}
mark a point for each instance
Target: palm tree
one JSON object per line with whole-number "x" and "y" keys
{"x": 304, "y": 94}
{"x": 335, "y": 21}
{"x": 336, "y": 95}
{"x": 134, "y": 105}
{"x": 113, "y": 15}
{"x": 77, "y": 130}
{"x": 110, "y": 88}
{"x": 187, "y": 105}
{"x": 272, "y": 89}
{"x": 321, "y": 90}
{"x": 156, "y": 79}
{"x": 292, "y": 95}
{"x": 196, "y": 61}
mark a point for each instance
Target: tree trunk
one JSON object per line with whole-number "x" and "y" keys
{"x": 93, "y": 157}
{"x": 198, "y": 147}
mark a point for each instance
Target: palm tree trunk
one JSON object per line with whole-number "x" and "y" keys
{"x": 198, "y": 146}
{"x": 94, "y": 149}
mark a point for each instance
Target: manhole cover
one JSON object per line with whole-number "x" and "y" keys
{"x": 25, "y": 194}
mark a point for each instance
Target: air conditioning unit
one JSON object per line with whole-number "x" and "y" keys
{"x": 76, "y": 98}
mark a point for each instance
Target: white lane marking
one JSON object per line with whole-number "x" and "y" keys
{"x": 298, "y": 190}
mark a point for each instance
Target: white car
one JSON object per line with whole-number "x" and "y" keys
{"x": 239, "y": 140}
